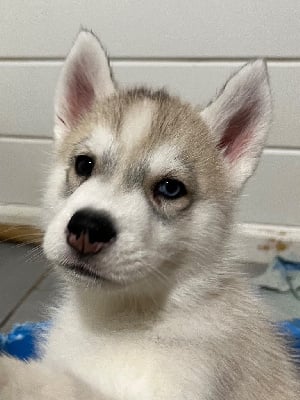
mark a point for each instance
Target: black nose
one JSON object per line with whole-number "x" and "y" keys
{"x": 89, "y": 230}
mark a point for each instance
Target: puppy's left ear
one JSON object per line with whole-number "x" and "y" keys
{"x": 85, "y": 78}
{"x": 240, "y": 118}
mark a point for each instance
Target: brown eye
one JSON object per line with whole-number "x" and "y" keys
{"x": 170, "y": 189}
{"x": 84, "y": 165}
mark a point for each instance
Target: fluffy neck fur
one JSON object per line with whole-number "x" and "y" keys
{"x": 190, "y": 285}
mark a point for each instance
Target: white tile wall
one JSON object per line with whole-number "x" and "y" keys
{"x": 272, "y": 195}
{"x": 143, "y": 28}
{"x": 189, "y": 47}
{"x": 24, "y": 165}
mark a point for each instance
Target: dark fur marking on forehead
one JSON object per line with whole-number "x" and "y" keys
{"x": 135, "y": 174}
{"x": 108, "y": 112}
{"x": 173, "y": 121}
{"x": 108, "y": 163}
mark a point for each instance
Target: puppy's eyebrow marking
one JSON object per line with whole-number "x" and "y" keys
{"x": 102, "y": 145}
{"x": 137, "y": 123}
{"x": 100, "y": 140}
{"x": 166, "y": 158}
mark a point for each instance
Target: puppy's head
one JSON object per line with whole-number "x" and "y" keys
{"x": 144, "y": 184}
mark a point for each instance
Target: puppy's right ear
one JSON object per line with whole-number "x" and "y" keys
{"x": 84, "y": 79}
{"x": 239, "y": 119}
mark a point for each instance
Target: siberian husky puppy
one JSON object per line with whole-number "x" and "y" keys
{"x": 138, "y": 216}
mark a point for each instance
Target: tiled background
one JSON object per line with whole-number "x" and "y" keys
{"x": 189, "y": 47}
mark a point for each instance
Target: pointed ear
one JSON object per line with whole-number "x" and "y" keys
{"x": 84, "y": 79}
{"x": 240, "y": 118}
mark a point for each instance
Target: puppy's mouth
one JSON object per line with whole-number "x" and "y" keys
{"x": 83, "y": 270}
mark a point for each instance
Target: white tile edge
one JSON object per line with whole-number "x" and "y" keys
{"x": 261, "y": 243}
{"x": 17, "y": 214}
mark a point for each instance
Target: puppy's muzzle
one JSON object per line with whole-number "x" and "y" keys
{"x": 89, "y": 231}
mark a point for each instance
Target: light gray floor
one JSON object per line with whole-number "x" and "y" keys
{"x": 28, "y": 287}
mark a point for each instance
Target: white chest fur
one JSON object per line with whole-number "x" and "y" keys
{"x": 128, "y": 363}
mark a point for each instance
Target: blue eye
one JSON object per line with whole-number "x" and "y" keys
{"x": 170, "y": 189}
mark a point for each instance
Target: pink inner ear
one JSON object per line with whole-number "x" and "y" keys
{"x": 237, "y": 135}
{"x": 80, "y": 94}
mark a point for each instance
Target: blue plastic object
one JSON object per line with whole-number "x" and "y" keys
{"x": 22, "y": 341}
{"x": 292, "y": 330}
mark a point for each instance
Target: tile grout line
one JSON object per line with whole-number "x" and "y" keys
{"x": 154, "y": 59}
{"x": 42, "y": 277}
